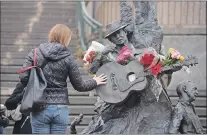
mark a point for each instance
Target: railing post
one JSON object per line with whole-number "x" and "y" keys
{"x": 93, "y": 24}
{"x": 81, "y": 27}
{"x": 100, "y": 34}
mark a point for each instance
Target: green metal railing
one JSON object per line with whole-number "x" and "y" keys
{"x": 84, "y": 18}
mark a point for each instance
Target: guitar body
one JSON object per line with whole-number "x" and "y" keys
{"x": 118, "y": 84}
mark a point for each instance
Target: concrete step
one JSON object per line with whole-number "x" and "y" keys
{"x": 41, "y": 35}
{"x": 5, "y": 91}
{"x": 44, "y": 9}
{"x": 50, "y": 4}
{"x": 13, "y": 49}
{"x": 15, "y": 69}
{"x": 86, "y": 100}
{"x": 77, "y": 100}
{"x": 10, "y": 86}
{"x": 37, "y": 28}
{"x": 10, "y": 57}
{"x": 21, "y": 55}
{"x": 15, "y": 77}
{"x": 31, "y": 42}
{"x": 79, "y": 129}
{"x": 48, "y": 16}
{"x": 35, "y": 5}
{"x": 85, "y": 120}
{"x": 31, "y": 3}
{"x": 19, "y": 62}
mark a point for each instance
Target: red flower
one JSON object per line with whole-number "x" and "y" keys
{"x": 147, "y": 59}
{"x": 92, "y": 54}
{"x": 124, "y": 55}
{"x": 156, "y": 69}
{"x": 89, "y": 59}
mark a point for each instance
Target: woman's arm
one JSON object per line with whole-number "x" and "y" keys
{"x": 15, "y": 98}
{"x": 24, "y": 77}
{"x": 76, "y": 79}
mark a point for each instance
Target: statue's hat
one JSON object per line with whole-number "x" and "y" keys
{"x": 113, "y": 27}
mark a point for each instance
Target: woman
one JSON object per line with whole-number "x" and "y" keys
{"x": 22, "y": 122}
{"x": 58, "y": 64}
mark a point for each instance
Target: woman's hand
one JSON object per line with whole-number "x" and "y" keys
{"x": 100, "y": 79}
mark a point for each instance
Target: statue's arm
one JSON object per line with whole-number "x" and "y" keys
{"x": 177, "y": 117}
{"x": 138, "y": 13}
{"x": 126, "y": 15}
{"x": 95, "y": 65}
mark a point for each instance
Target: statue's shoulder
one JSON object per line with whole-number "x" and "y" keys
{"x": 179, "y": 107}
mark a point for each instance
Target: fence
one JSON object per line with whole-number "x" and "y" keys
{"x": 175, "y": 14}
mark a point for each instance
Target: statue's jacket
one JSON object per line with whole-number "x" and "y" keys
{"x": 185, "y": 120}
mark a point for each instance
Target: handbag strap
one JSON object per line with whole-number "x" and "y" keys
{"x": 35, "y": 57}
{"x": 34, "y": 63}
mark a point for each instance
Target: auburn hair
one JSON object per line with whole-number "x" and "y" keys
{"x": 61, "y": 34}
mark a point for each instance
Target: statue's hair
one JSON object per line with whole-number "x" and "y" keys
{"x": 179, "y": 88}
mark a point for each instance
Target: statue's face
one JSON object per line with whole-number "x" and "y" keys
{"x": 119, "y": 37}
{"x": 192, "y": 92}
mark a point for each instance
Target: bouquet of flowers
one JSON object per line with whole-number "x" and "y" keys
{"x": 173, "y": 57}
{"x": 150, "y": 59}
{"x": 92, "y": 52}
{"x": 154, "y": 61}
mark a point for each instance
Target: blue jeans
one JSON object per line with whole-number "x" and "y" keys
{"x": 2, "y": 130}
{"x": 52, "y": 120}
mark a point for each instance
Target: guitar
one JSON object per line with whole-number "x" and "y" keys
{"x": 119, "y": 83}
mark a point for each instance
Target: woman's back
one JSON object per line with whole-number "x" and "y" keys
{"x": 54, "y": 58}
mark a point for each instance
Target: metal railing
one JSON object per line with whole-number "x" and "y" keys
{"x": 84, "y": 18}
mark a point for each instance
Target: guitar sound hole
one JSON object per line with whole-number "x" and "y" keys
{"x": 131, "y": 77}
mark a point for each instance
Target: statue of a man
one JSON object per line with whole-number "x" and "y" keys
{"x": 184, "y": 118}
{"x": 148, "y": 111}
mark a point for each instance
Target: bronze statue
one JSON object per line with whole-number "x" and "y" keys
{"x": 143, "y": 112}
{"x": 148, "y": 111}
{"x": 184, "y": 118}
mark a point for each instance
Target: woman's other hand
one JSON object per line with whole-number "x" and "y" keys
{"x": 100, "y": 79}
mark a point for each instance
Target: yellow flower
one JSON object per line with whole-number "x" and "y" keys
{"x": 170, "y": 50}
{"x": 182, "y": 58}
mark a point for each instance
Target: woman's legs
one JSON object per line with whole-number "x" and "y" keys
{"x": 60, "y": 122}
{"x": 52, "y": 120}
{"x": 40, "y": 124}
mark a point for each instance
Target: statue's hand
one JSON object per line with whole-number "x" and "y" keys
{"x": 107, "y": 49}
{"x": 175, "y": 69}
